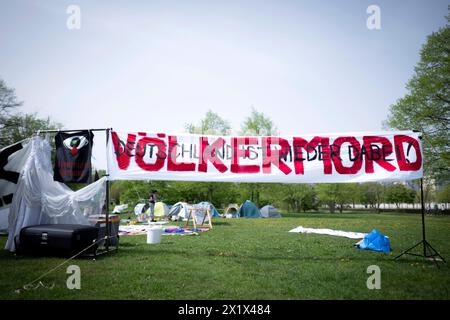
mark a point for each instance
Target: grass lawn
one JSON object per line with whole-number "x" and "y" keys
{"x": 250, "y": 259}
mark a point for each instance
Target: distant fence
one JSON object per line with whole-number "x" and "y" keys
{"x": 436, "y": 209}
{"x": 391, "y": 206}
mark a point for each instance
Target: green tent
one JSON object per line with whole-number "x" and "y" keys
{"x": 249, "y": 210}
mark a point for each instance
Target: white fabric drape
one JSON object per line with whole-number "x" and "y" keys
{"x": 15, "y": 162}
{"x": 41, "y": 200}
{"x": 331, "y": 232}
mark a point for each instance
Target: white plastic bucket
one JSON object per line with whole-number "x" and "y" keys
{"x": 154, "y": 235}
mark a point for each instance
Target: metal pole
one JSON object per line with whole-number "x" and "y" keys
{"x": 422, "y": 205}
{"x": 71, "y": 130}
{"x": 423, "y": 218}
{"x": 108, "y": 233}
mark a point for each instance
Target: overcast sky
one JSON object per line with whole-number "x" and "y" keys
{"x": 311, "y": 66}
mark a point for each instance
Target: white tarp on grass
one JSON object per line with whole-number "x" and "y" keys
{"x": 143, "y": 227}
{"x": 331, "y": 232}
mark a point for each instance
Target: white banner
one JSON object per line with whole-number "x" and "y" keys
{"x": 347, "y": 157}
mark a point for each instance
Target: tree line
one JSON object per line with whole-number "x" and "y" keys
{"x": 16, "y": 125}
{"x": 335, "y": 197}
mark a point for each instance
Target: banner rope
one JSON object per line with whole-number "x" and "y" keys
{"x": 29, "y": 286}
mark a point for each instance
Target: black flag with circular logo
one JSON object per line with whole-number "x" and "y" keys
{"x": 73, "y": 156}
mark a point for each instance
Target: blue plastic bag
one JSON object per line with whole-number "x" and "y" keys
{"x": 375, "y": 241}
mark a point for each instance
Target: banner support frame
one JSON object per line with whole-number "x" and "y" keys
{"x": 431, "y": 253}
{"x": 108, "y": 231}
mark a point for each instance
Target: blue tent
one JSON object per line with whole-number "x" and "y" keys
{"x": 376, "y": 241}
{"x": 206, "y": 204}
{"x": 249, "y": 210}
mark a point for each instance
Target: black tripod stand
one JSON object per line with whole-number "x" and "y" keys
{"x": 428, "y": 251}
